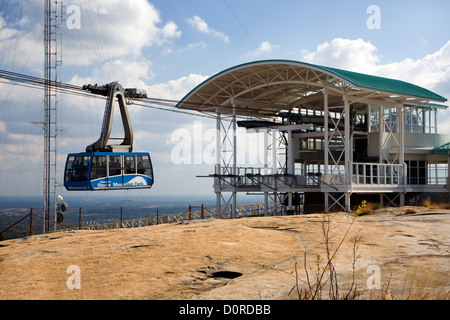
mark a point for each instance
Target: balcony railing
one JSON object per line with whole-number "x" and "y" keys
{"x": 378, "y": 174}
{"x": 361, "y": 174}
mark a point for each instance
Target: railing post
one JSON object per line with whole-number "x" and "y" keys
{"x": 203, "y": 212}
{"x": 190, "y": 208}
{"x": 121, "y": 217}
{"x": 31, "y": 222}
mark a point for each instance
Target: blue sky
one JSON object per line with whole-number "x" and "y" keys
{"x": 170, "y": 46}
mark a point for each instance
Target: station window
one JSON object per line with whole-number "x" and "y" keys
{"x": 417, "y": 173}
{"x": 437, "y": 173}
{"x": 420, "y": 120}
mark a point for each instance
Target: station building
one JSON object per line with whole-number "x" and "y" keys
{"x": 327, "y": 138}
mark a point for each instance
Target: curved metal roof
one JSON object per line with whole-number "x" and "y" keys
{"x": 275, "y": 85}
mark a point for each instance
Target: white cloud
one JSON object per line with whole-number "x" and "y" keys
{"x": 170, "y": 30}
{"x": 106, "y": 27}
{"x": 175, "y": 89}
{"x": 2, "y": 127}
{"x": 431, "y": 72}
{"x": 22, "y": 48}
{"x": 109, "y": 30}
{"x": 188, "y": 47}
{"x": 361, "y": 56}
{"x": 264, "y": 48}
{"x": 6, "y": 33}
{"x": 358, "y": 55}
{"x": 354, "y": 55}
{"x": 201, "y": 25}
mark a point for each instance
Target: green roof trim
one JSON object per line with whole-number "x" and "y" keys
{"x": 384, "y": 84}
{"x": 445, "y": 148}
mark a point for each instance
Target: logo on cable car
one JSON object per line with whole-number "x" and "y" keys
{"x": 116, "y": 182}
{"x": 135, "y": 182}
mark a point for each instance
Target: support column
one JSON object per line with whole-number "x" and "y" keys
{"x": 348, "y": 150}
{"x": 448, "y": 171}
{"x": 290, "y": 154}
{"x": 234, "y": 207}
{"x": 217, "y": 168}
{"x": 289, "y": 200}
{"x": 274, "y": 170}
{"x": 266, "y": 166}
{"x": 380, "y": 133}
{"x": 347, "y": 141}
{"x": 274, "y": 151}
{"x": 218, "y": 204}
{"x": 266, "y": 204}
{"x": 401, "y": 151}
{"x": 347, "y": 201}
{"x": 325, "y": 123}
{"x": 290, "y": 164}
{"x": 325, "y": 143}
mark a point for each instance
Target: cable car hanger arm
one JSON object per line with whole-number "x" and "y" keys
{"x": 112, "y": 91}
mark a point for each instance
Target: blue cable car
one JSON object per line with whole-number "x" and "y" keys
{"x": 110, "y": 167}
{"x": 90, "y": 171}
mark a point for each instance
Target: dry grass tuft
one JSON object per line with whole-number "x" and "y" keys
{"x": 433, "y": 205}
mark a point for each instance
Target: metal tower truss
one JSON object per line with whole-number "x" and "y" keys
{"x": 53, "y": 61}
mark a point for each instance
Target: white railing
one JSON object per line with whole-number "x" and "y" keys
{"x": 361, "y": 174}
{"x": 379, "y": 174}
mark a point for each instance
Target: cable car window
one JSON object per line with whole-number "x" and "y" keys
{"x": 77, "y": 168}
{"x": 98, "y": 169}
{"x": 143, "y": 165}
{"x": 114, "y": 166}
{"x": 129, "y": 164}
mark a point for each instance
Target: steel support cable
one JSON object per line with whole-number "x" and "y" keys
{"x": 152, "y": 105}
{"x": 36, "y": 82}
{"x": 22, "y": 78}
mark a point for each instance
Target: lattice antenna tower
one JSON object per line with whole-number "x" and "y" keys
{"x": 53, "y": 17}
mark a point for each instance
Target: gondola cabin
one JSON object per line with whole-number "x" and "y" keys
{"x": 108, "y": 171}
